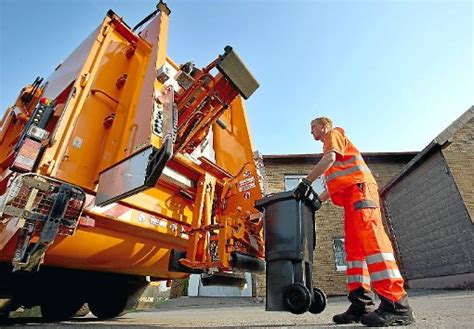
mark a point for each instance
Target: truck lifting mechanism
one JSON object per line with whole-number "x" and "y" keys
{"x": 124, "y": 167}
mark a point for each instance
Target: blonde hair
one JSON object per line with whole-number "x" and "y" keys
{"x": 324, "y": 121}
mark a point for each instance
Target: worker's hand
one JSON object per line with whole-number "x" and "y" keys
{"x": 302, "y": 189}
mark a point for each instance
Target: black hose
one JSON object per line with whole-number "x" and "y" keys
{"x": 35, "y": 86}
{"x": 146, "y": 19}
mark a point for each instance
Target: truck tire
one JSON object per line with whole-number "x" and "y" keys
{"x": 107, "y": 308}
{"x": 60, "y": 299}
{"x": 59, "y": 309}
{"x": 110, "y": 300}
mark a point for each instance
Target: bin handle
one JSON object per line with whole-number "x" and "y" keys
{"x": 312, "y": 196}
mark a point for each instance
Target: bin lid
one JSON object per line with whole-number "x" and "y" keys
{"x": 274, "y": 197}
{"x": 284, "y": 196}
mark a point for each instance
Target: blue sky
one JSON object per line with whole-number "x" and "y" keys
{"x": 394, "y": 74}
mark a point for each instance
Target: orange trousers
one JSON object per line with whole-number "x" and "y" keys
{"x": 369, "y": 253}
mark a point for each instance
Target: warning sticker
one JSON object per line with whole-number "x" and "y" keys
{"x": 247, "y": 181}
{"x": 247, "y": 184}
{"x": 246, "y": 187}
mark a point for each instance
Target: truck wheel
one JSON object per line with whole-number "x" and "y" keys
{"x": 109, "y": 301}
{"x": 59, "y": 309}
{"x": 319, "y": 303}
{"x": 106, "y": 307}
{"x": 61, "y": 294}
{"x": 297, "y": 298}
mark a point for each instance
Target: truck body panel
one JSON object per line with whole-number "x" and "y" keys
{"x": 125, "y": 163}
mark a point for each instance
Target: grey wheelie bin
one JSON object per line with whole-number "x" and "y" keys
{"x": 289, "y": 228}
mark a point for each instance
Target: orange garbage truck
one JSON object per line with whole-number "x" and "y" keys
{"x": 123, "y": 167}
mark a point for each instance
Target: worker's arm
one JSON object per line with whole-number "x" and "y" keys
{"x": 334, "y": 143}
{"x": 324, "y": 196}
{"x": 324, "y": 164}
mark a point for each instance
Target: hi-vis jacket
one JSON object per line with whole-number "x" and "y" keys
{"x": 349, "y": 167}
{"x": 369, "y": 253}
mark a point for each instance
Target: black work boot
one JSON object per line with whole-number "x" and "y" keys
{"x": 362, "y": 303}
{"x": 390, "y": 314}
{"x": 352, "y": 315}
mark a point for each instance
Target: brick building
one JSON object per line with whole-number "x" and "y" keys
{"x": 284, "y": 171}
{"x": 430, "y": 205}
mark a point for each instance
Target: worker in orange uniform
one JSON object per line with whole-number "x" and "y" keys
{"x": 369, "y": 253}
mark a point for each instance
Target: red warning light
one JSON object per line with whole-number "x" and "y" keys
{"x": 44, "y": 101}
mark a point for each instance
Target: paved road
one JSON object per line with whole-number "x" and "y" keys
{"x": 433, "y": 309}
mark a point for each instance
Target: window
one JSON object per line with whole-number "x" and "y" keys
{"x": 291, "y": 181}
{"x": 339, "y": 253}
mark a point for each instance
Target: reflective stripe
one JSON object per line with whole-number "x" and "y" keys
{"x": 358, "y": 279}
{"x": 365, "y": 204}
{"x": 385, "y": 274}
{"x": 359, "y": 167}
{"x": 376, "y": 258}
{"x": 356, "y": 264}
{"x": 349, "y": 161}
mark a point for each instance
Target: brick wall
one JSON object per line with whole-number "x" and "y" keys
{"x": 329, "y": 219}
{"x": 430, "y": 221}
{"x": 460, "y": 158}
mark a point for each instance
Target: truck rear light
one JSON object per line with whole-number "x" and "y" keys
{"x": 27, "y": 155}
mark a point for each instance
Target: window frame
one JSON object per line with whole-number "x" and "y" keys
{"x": 339, "y": 267}
{"x": 319, "y": 185}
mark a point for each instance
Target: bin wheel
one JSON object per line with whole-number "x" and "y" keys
{"x": 319, "y": 303}
{"x": 297, "y": 298}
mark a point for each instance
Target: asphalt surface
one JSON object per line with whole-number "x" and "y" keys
{"x": 433, "y": 309}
